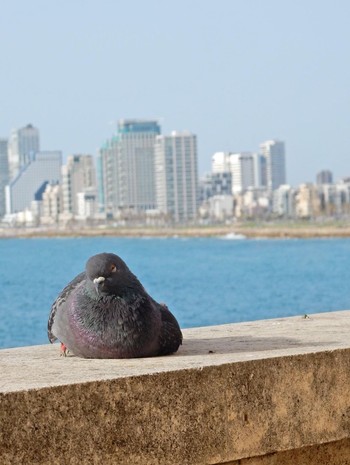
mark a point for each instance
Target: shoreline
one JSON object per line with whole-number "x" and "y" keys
{"x": 249, "y": 232}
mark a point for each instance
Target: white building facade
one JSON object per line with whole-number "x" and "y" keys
{"x": 275, "y": 161}
{"x": 78, "y": 180}
{"x": 176, "y": 176}
{"x": 220, "y": 162}
{"x": 283, "y": 201}
{"x": 31, "y": 181}
{"x": 242, "y": 170}
{"x": 51, "y": 204}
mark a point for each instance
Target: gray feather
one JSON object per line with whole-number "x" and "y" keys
{"x": 60, "y": 301}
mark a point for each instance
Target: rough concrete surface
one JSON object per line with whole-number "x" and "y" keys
{"x": 232, "y": 392}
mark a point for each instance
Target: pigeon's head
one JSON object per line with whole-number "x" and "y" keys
{"x": 108, "y": 273}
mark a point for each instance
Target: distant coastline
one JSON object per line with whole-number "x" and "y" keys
{"x": 273, "y": 231}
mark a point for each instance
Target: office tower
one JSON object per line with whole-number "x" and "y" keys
{"x": 78, "y": 181}
{"x": 259, "y": 164}
{"x": 23, "y": 145}
{"x": 220, "y": 162}
{"x": 324, "y": 177}
{"x": 127, "y": 168}
{"x": 31, "y": 181}
{"x": 4, "y": 175}
{"x": 177, "y": 175}
{"x": 274, "y": 153}
{"x": 242, "y": 170}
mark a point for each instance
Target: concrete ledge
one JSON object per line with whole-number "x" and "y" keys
{"x": 263, "y": 393}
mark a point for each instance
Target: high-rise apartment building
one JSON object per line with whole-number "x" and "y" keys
{"x": 127, "y": 167}
{"x": 78, "y": 181}
{"x": 242, "y": 170}
{"x": 275, "y": 171}
{"x": 51, "y": 204}
{"x": 176, "y": 174}
{"x": 4, "y": 175}
{"x": 31, "y": 181}
{"x": 23, "y": 144}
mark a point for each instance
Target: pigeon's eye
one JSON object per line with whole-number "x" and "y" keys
{"x": 113, "y": 268}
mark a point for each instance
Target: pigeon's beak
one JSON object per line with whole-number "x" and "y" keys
{"x": 98, "y": 281}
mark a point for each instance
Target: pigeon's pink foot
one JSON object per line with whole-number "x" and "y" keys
{"x": 63, "y": 350}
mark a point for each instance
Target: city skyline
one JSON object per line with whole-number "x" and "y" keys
{"x": 234, "y": 73}
{"x": 255, "y": 150}
{"x": 31, "y": 133}
{"x": 146, "y": 177}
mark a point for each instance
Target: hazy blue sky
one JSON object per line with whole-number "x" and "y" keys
{"x": 235, "y": 73}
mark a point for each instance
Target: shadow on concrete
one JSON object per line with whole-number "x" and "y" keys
{"x": 231, "y": 345}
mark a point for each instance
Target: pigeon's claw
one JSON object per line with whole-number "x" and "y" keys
{"x": 63, "y": 350}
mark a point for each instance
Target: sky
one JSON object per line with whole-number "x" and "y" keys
{"x": 233, "y": 72}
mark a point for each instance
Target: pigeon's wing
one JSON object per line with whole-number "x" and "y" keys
{"x": 170, "y": 336}
{"x": 60, "y": 301}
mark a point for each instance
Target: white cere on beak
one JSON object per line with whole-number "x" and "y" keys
{"x": 99, "y": 280}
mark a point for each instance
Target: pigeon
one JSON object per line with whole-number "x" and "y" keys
{"x": 105, "y": 312}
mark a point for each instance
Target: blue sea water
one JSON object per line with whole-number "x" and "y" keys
{"x": 203, "y": 281}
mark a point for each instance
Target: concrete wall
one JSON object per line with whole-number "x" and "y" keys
{"x": 273, "y": 392}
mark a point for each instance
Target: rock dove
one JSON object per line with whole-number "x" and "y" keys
{"x": 105, "y": 312}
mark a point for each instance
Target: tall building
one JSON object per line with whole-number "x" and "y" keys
{"x": 242, "y": 170}
{"x": 176, "y": 174}
{"x": 108, "y": 187}
{"x": 78, "y": 181}
{"x": 24, "y": 143}
{"x": 274, "y": 153}
{"x": 324, "y": 177}
{"x": 259, "y": 163}
{"x": 127, "y": 167}
{"x": 4, "y": 175}
{"x": 31, "y": 181}
{"x": 220, "y": 162}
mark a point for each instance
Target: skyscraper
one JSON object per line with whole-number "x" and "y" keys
{"x": 31, "y": 181}
{"x": 4, "y": 175}
{"x": 274, "y": 153}
{"x": 242, "y": 169}
{"x": 259, "y": 162}
{"x": 177, "y": 175}
{"x": 127, "y": 167}
{"x": 23, "y": 144}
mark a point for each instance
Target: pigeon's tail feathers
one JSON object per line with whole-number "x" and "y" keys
{"x": 60, "y": 302}
{"x": 170, "y": 336}
{"x": 51, "y": 336}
